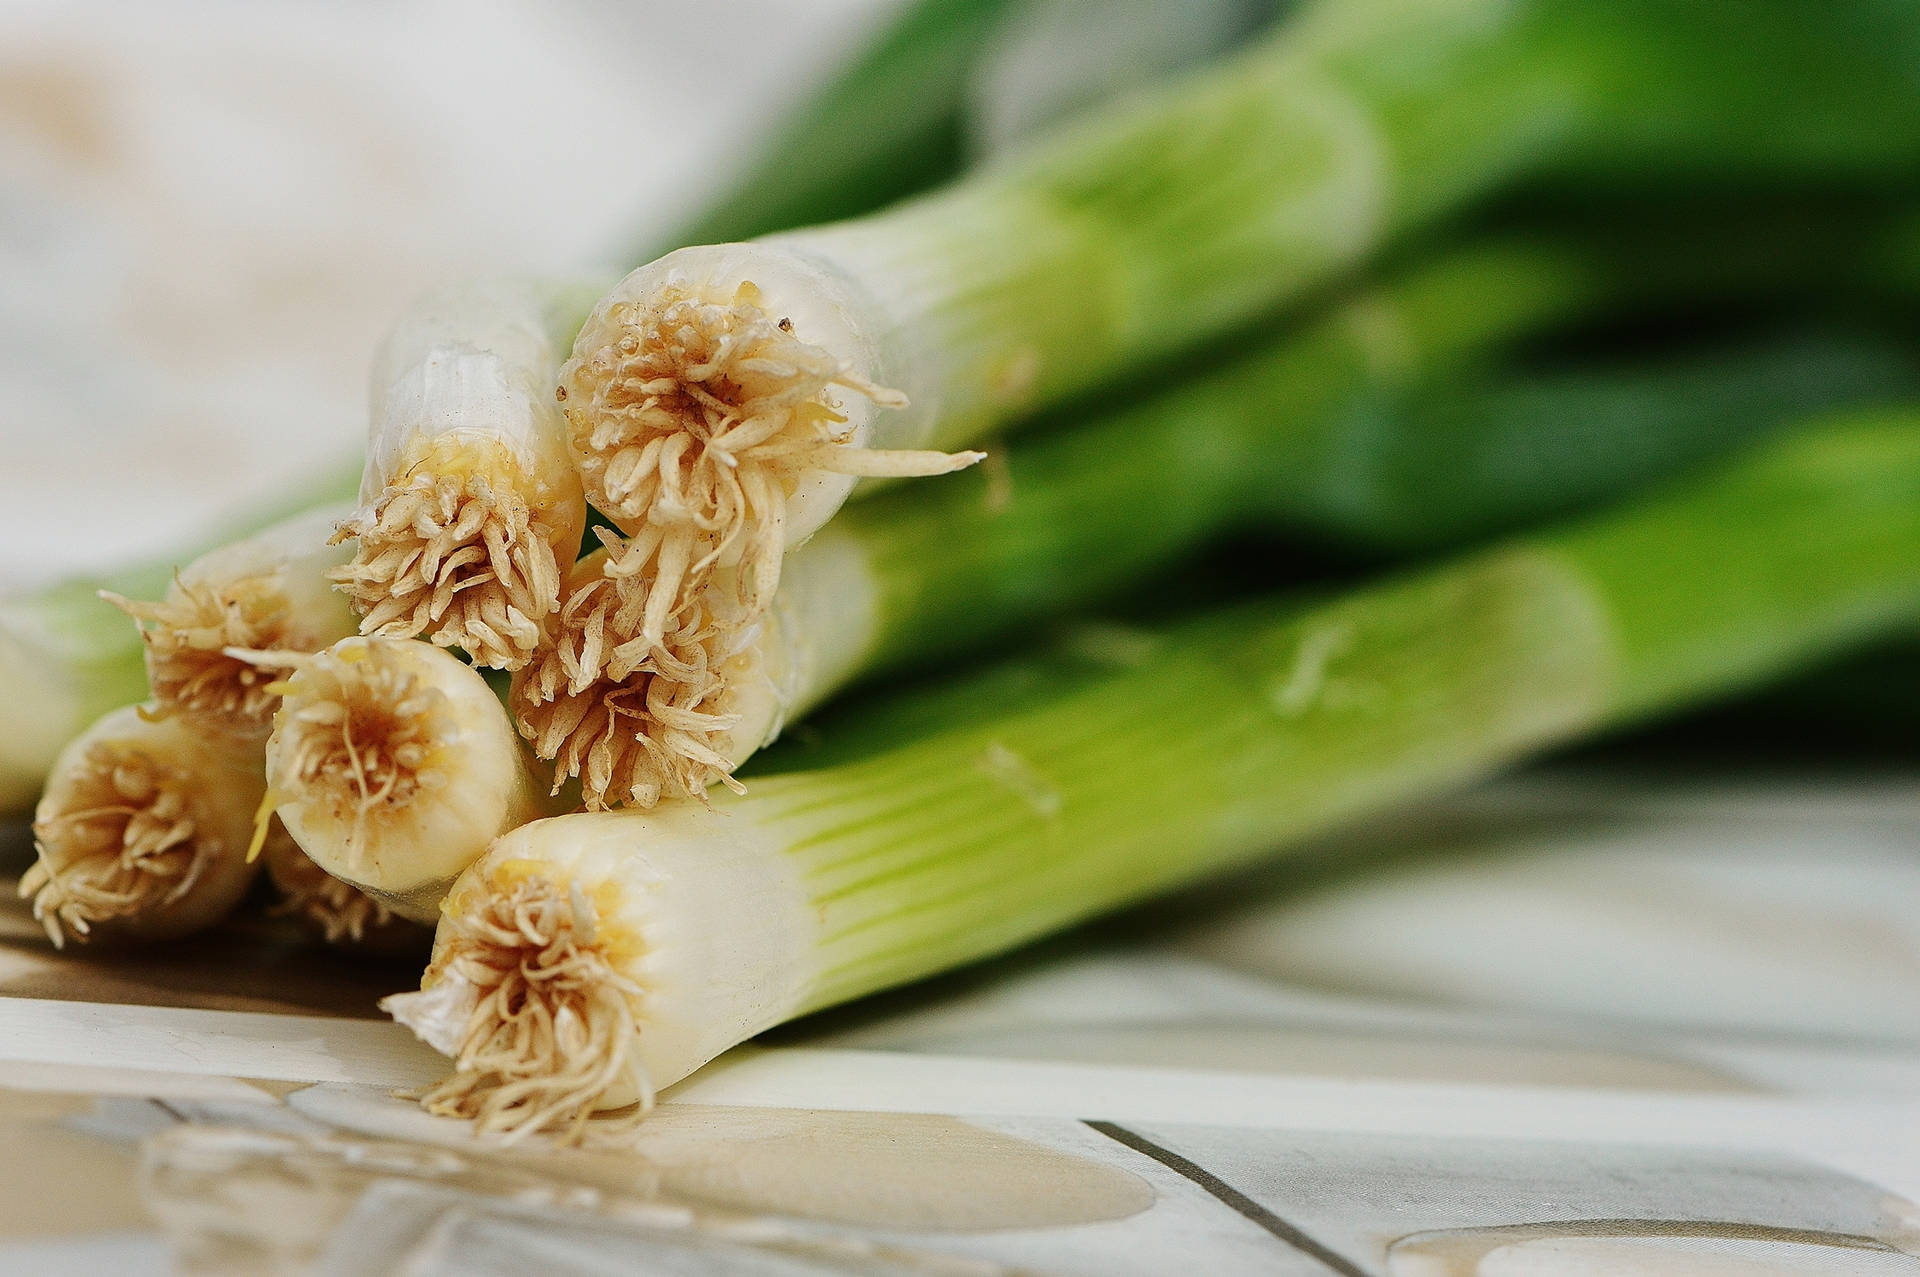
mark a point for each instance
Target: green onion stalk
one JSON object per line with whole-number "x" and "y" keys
{"x": 590, "y": 959}
{"x": 268, "y": 590}
{"x": 950, "y": 81}
{"x": 723, "y": 400}
{"x": 392, "y": 764}
{"x": 142, "y": 833}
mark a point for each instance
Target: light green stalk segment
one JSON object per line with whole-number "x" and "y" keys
{"x": 66, "y": 658}
{"x": 1332, "y": 441}
{"x": 1224, "y": 744}
{"x": 947, "y": 79}
{"x": 1833, "y": 570}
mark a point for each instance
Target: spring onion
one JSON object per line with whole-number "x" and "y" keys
{"x": 135, "y": 832}
{"x": 269, "y": 590}
{"x": 393, "y": 764}
{"x": 589, "y": 959}
{"x": 723, "y": 399}
{"x": 891, "y": 125}
{"x": 1306, "y": 435}
{"x": 143, "y": 830}
{"x": 470, "y": 506}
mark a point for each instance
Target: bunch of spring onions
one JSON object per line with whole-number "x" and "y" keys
{"x": 1322, "y": 291}
{"x": 467, "y": 517}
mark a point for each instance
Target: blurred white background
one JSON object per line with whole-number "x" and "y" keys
{"x": 211, "y": 209}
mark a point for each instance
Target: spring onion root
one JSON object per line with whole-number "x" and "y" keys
{"x": 339, "y": 913}
{"x": 589, "y": 959}
{"x": 470, "y": 506}
{"x": 393, "y": 765}
{"x": 544, "y": 1015}
{"x": 714, "y": 428}
{"x": 635, "y": 725}
{"x": 269, "y": 590}
{"x": 143, "y": 830}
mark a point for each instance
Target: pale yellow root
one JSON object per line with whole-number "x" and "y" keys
{"x": 693, "y": 421}
{"x": 125, "y": 844}
{"x": 549, "y": 1037}
{"x": 342, "y": 913}
{"x": 187, "y": 635}
{"x": 456, "y": 551}
{"x": 635, "y": 728}
{"x": 363, "y": 736}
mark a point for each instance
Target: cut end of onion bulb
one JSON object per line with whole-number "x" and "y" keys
{"x": 460, "y": 548}
{"x": 635, "y": 722}
{"x": 525, "y": 993}
{"x": 697, "y": 411}
{"x": 143, "y": 831}
{"x": 393, "y": 765}
{"x": 188, "y": 635}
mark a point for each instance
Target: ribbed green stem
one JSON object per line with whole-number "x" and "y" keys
{"x": 1833, "y": 569}
{"x": 1151, "y": 228}
{"x": 1242, "y": 735}
{"x": 1335, "y": 434}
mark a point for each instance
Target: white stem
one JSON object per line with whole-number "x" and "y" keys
{"x": 824, "y": 620}
{"x": 477, "y": 358}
